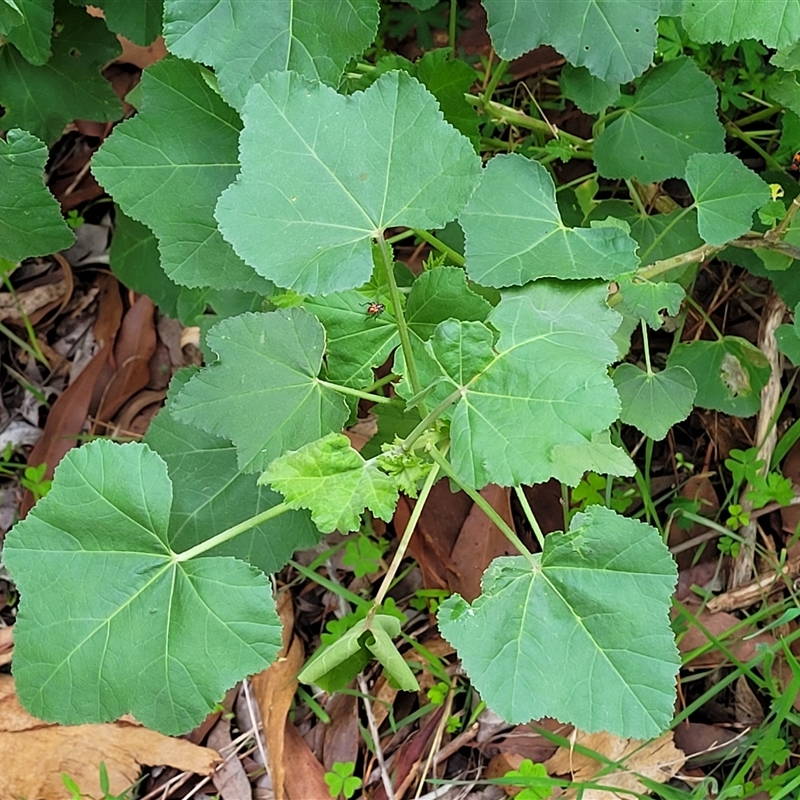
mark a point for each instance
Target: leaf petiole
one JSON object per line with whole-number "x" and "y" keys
{"x": 397, "y": 304}
{"x": 485, "y": 506}
{"x": 374, "y": 398}
{"x": 231, "y": 533}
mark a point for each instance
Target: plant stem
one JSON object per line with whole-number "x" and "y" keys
{"x": 781, "y": 227}
{"x": 526, "y": 507}
{"x": 451, "y": 28}
{"x": 646, "y": 348}
{"x": 397, "y": 304}
{"x": 455, "y": 257}
{"x": 406, "y": 537}
{"x": 667, "y": 229}
{"x": 374, "y": 398}
{"x": 231, "y": 533}
{"x": 429, "y": 419}
{"x": 735, "y": 131}
{"x": 513, "y": 117}
{"x": 702, "y": 312}
{"x": 497, "y": 76}
{"x": 486, "y": 507}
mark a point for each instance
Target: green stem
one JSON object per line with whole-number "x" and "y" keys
{"x": 400, "y": 318}
{"x": 451, "y": 28}
{"x": 374, "y": 398}
{"x": 513, "y": 117}
{"x": 429, "y": 419}
{"x": 231, "y": 533}
{"x": 781, "y": 227}
{"x": 455, "y": 257}
{"x": 646, "y": 347}
{"x": 497, "y": 76}
{"x": 665, "y": 232}
{"x": 702, "y": 312}
{"x": 486, "y": 507}
{"x": 382, "y": 382}
{"x": 758, "y": 115}
{"x": 734, "y": 131}
{"x": 406, "y": 537}
{"x": 637, "y": 201}
{"x": 532, "y": 521}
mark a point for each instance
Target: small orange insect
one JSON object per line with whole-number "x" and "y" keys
{"x": 795, "y": 165}
{"x": 376, "y": 309}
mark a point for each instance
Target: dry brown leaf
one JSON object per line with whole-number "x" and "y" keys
{"x": 306, "y": 778}
{"x": 25, "y": 303}
{"x": 36, "y": 753}
{"x": 658, "y": 760}
{"x": 230, "y": 779}
{"x": 274, "y": 690}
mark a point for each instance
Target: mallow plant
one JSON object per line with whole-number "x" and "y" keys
{"x": 268, "y": 181}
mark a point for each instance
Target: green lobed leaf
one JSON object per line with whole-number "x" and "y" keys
{"x": 583, "y": 636}
{"x": 591, "y": 94}
{"x": 615, "y": 41}
{"x": 726, "y": 194}
{"x": 514, "y": 232}
{"x": 730, "y": 373}
{"x": 32, "y": 36}
{"x": 30, "y": 218}
{"x": 138, "y": 21}
{"x": 134, "y": 259}
{"x": 43, "y": 99}
{"x": 672, "y": 116}
{"x": 167, "y": 166}
{"x": 654, "y": 401}
{"x": 334, "y": 482}
{"x": 211, "y": 493}
{"x": 358, "y": 342}
{"x": 448, "y": 80}
{"x": 244, "y": 40}
{"x": 776, "y": 22}
{"x": 542, "y": 386}
{"x": 263, "y": 393}
{"x": 350, "y": 168}
{"x": 110, "y": 621}
{"x": 646, "y": 299}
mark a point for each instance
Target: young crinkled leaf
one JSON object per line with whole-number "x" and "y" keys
{"x": 334, "y": 482}
{"x": 776, "y": 23}
{"x": 263, "y": 393}
{"x": 30, "y": 218}
{"x": 726, "y": 194}
{"x": 358, "y": 342}
{"x": 212, "y": 493}
{"x": 43, "y": 99}
{"x": 111, "y": 621}
{"x": 672, "y": 116}
{"x": 654, "y": 401}
{"x": 614, "y": 41}
{"x": 243, "y": 40}
{"x": 514, "y": 233}
{"x": 542, "y": 386}
{"x": 349, "y": 168}
{"x": 730, "y": 373}
{"x": 583, "y": 636}
{"x": 167, "y": 166}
